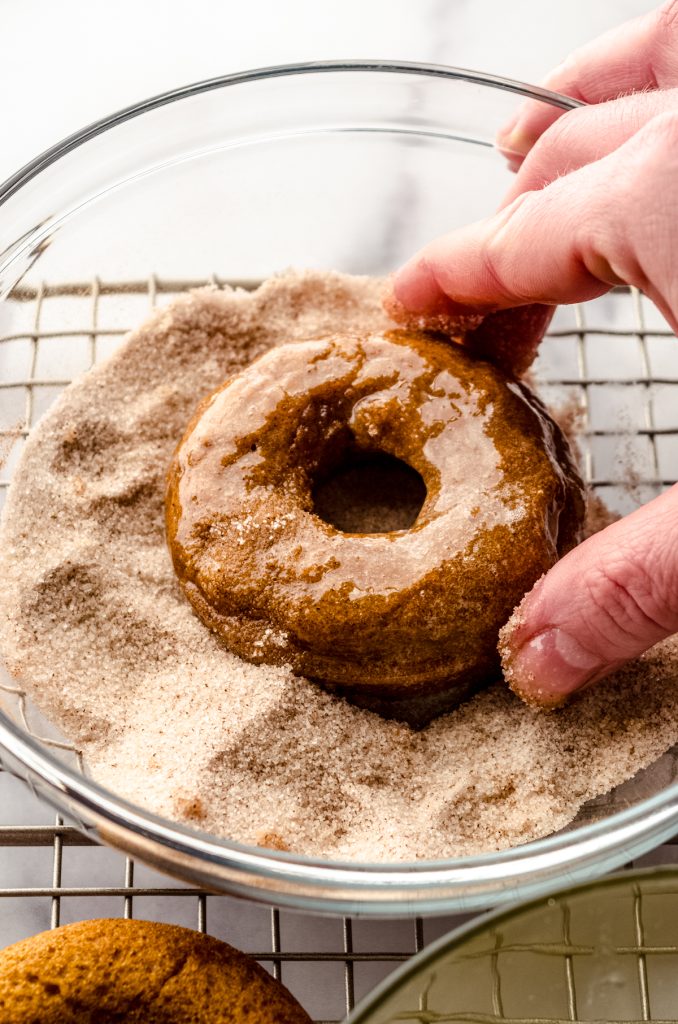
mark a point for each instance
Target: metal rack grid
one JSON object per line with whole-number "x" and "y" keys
{"x": 85, "y": 320}
{"x": 342, "y": 953}
{"x": 280, "y": 951}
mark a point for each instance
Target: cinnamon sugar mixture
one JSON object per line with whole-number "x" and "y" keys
{"x": 93, "y": 622}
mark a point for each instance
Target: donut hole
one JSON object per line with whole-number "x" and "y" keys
{"x": 369, "y": 493}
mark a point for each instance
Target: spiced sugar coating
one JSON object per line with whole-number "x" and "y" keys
{"x": 137, "y": 971}
{"x": 402, "y": 622}
{"x": 88, "y": 586}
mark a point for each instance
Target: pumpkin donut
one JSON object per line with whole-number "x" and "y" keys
{"x": 116, "y": 970}
{"x": 402, "y": 622}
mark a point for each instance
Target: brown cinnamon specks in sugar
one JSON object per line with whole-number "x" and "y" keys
{"x": 93, "y": 622}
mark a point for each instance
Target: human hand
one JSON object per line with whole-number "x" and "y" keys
{"x": 595, "y": 204}
{"x": 637, "y": 57}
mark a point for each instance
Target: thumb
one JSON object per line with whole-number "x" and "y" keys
{"x": 604, "y": 603}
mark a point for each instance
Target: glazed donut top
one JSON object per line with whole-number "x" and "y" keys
{"x": 251, "y": 553}
{"x": 279, "y": 438}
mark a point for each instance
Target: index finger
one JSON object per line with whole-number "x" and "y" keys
{"x": 607, "y": 223}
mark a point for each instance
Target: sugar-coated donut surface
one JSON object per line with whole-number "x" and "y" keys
{"x": 117, "y": 970}
{"x": 404, "y": 622}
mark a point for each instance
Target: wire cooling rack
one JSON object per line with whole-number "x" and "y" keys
{"x": 615, "y": 360}
{"x": 601, "y": 952}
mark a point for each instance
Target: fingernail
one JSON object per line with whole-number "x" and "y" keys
{"x": 550, "y": 666}
{"x": 415, "y": 288}
{"x": 509, "y": 124}
{"x": 517, "y": 143}
{"x": 512, "y": 139}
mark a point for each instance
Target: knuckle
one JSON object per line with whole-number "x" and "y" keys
{"x": 557, "y": 150}
{"x": 664, "y": 560}
{"x": 499, "y": 256}
{"x": 653, "y": 143}
{"x": 644, "y": 176}
{"x": 494, "y": 265}
{"x": 566, "y": 71}
{"x": 629, "y": 610}
{"x": 663, "y": 131}
{"x": 648, "y": 171}
{"x": 668, "y": 18}
{"x": 617, "y": 619}
{"x": 558, "y": 134}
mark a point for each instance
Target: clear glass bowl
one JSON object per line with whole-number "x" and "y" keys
{"x": 603, "y": 951}
{"x": 346, "y": 166}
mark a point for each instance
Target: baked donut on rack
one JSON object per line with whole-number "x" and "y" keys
{"x": 403, "y": 622}
{"x": 137, "y": 971}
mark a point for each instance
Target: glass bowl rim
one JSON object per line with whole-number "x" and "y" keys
{"x": 90, "y": 131}
{"x": 89, "y": 798}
